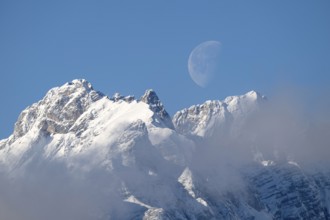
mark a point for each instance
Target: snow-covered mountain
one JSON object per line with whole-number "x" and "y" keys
{"x": 78, "y": 154}
{"x": 228, "y": 115}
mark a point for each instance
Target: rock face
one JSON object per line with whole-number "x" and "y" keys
{"x": 205, "y": 119}
{"x": 122, "y": 158}
{"x": 58, "y": 110}
{"x": 150, "y": 97}
{"x": 289, "y": 193}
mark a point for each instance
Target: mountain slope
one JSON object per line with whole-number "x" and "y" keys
{"x": 123, "y": 158}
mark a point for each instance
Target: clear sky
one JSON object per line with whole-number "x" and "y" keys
{"x": 130, "y": 46}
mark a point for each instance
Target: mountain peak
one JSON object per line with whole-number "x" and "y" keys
{"x": 202, "y": 120}
{"x": 59, "y": 109}
{"x": 79, "y": 83}
{"x": 82, "y": 82}
{"x": 254, "y": 95}
{"x": 150, "y": 97}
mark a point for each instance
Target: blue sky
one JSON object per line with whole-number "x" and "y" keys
{"x": 130, "y": 46}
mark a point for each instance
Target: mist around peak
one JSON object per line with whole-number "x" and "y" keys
{"x": 119, "y": 158}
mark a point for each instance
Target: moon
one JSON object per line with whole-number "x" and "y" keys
{"x": 203, "y": 62}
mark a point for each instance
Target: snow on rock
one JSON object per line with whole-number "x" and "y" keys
{"x": 161, "y": 116}
{"x": 148, "y": 166}
{"x": 200, "y": 120}
{"x": 58, "y": 110}
{"x": 203, "y": 120}
{"x": 186, "y": 180}
{"x": 78, "y": 121}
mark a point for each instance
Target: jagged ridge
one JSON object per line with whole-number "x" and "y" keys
{"x": 163, "y": 169}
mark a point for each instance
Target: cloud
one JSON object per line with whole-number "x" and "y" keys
{"x": 55, "y": 193}
{"x": 288, "y": 127}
